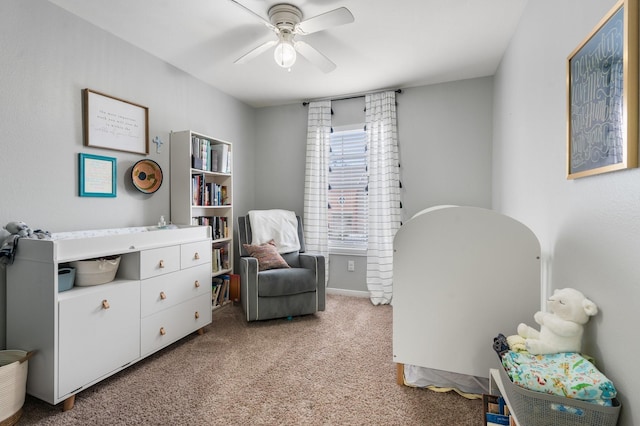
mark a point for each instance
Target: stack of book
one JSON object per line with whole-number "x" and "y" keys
{"x": 496, "y": 411}
{"x": 220, "y": 290}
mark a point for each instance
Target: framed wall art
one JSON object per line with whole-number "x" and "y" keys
{"x": 97, "y": 176}
{"x": 114, "y": 123}
{"x": 602, "y": 96}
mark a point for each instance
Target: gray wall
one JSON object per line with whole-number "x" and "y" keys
{"x": 48, "y": 57}
{"x": 444, "y": 133}
{"x": 280, "y": 152}
{"x": 588, "y": 228}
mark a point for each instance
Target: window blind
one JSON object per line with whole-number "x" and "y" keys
{"x": 347, "y": 195}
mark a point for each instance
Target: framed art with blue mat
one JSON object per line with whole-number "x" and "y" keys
{"x": 97, "y": 176}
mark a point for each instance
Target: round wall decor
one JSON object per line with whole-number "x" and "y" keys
{"x": 146, "y": 176}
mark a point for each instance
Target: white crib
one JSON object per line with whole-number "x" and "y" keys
{"x": 461, "y": 276}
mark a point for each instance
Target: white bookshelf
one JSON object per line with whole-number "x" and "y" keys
{"x": 190, "y": 181}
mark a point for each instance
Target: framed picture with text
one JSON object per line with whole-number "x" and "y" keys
{"x": 114, "y": 123}
{"x": 602, "y": 96}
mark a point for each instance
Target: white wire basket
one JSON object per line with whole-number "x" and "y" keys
{"x": 14, "y": 365}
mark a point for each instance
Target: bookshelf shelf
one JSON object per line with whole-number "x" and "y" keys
{"x": 202, "y": 194}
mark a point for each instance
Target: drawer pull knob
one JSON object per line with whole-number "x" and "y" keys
{"x": 163, "y": 295}
{"x": 161, "y": 264}
{"x": 197, "y": 314}
{"x": 197, "y": 256}
{"x": 162, "y": 331}
{"x": 105, "y": 304}
{"x": 197, "y": 283}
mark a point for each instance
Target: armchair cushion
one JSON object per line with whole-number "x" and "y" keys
{"x": 285, "y": 282}
{"x": 267, "y": 255}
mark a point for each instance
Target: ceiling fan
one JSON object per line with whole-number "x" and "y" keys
{"x": 285, "y": 20}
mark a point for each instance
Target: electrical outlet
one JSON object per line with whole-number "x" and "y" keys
{"x": 351, "y": 266}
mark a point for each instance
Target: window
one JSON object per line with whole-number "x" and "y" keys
{"x": 347, "y": 195}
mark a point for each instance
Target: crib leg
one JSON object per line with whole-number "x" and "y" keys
{"x": 400, "y": 374}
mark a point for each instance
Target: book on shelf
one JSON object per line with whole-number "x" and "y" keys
{"x": 223, "y": 157}
{"x": 195, "y": 190}
{"x": 215, "y": 292}
{"x": 224, "y": 291}
{"x": 213, "y": 155}
{"x": 216, "y": 260}
{"x": 224, "y": 196}
{"x": 199, "y": 190}
{"x": 204, "y": 154}
{"x": 220, "y": 257}
{"x": 214, "y": 193}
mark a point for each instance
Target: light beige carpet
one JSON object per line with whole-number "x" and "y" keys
{"x": 332, "y": 368}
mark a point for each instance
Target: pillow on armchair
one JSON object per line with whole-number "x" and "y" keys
{"x": 267, "y": 255}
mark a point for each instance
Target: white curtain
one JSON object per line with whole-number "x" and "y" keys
{"x": 384, "y": 193}
{"x": 316, "y": 180}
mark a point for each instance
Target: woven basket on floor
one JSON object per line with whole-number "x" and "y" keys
{"x": 13, "y": 384}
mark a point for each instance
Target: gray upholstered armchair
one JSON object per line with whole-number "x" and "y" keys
{"x": 279, "y": 293}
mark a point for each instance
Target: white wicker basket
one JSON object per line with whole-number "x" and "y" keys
{"x": 13, "y": 384}
{"x": 95, "y": 271}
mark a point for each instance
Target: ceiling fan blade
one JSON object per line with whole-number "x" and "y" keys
{"x": 255, "y": 52}
{"x": 315, "y": 57}
{"x": 333, "y": 18}
{"x": 264, "y": 21}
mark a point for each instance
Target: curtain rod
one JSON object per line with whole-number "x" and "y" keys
{"x": 305, "y": 103}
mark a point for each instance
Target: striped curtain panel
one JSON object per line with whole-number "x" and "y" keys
{"x": 316, "y": 180}
{"x": 384, "y": 193}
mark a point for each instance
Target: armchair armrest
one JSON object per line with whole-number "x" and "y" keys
{"x": 249, "y": 286}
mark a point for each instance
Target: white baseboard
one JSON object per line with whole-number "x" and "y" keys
{"x": 343, "y": 292}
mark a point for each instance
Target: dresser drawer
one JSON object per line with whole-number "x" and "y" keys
{"x": 168, "y": 290}
{"x": 99, "y": 332}
{"x": 167, "y": 326}
{"x": 159, "y": 261}
{"x": 194, "y": 254}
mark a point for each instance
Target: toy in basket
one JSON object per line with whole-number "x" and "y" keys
{"x": 561, "y": 328}
{"x": 13, "y": 384}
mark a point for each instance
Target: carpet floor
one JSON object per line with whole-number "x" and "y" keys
{"x": 331, "y": 368}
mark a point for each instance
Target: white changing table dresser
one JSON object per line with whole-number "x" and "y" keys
{"x": 161, "y": 293}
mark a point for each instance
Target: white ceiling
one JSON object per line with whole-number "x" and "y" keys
{"x": 391, "y": 44}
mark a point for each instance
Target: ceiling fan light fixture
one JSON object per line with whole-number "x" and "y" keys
{"x": 285, "y": 54}
{"x": 286, "y": 21}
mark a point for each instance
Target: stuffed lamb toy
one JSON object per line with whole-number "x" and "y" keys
{"x": 561, "y": 328}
